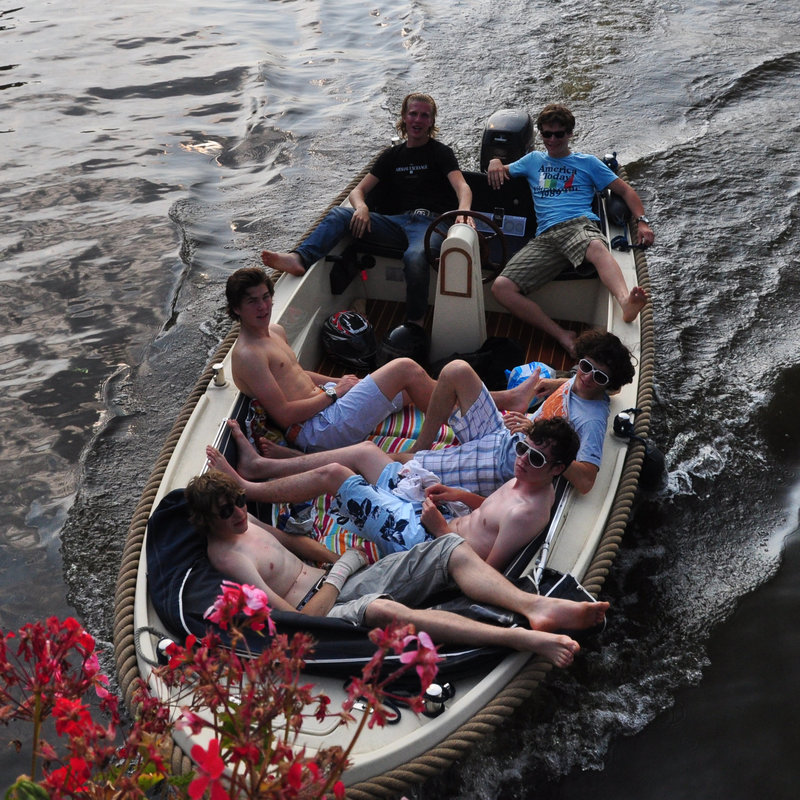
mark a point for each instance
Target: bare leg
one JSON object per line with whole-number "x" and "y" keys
{"x": 631, "y": 302}
{"x": 291, "y": 489}
{"x": 283, "y": 262}
{"x": 365, "y": 457}
{"x": 508, "y": 294}
{"x": 446, "y": 627}
{"x": 459, "y": 385}
{"x": 405, "y": 375}
{"x": 485, "y": 584}
{"x": 269, "y": 449}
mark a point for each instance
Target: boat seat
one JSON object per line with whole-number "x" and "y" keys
{"x": 513, "y": 199}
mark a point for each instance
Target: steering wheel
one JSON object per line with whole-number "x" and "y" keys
{"x": 489, "y": 269}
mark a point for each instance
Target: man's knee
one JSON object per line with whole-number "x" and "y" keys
{"x": 332, "y": 476}
{"x": 504, "y": 287}
{"x": 382, "y": 611}
{"x": 458, "y": 372}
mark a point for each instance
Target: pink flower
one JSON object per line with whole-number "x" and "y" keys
{"x": 424, "y": 658}
{"x": 241, "y": 600}
{"x": 210, "y": 767}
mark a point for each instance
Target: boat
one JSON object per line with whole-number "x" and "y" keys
{"x": 586, "y": 530}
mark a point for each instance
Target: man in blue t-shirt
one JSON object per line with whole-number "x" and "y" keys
{"x": 563, "y": 185}
{"x": 422, "y": 181}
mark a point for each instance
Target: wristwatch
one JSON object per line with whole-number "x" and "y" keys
{"x": 331, "y": 392}
{"x": 643, "y": 218}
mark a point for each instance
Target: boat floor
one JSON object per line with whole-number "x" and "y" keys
{"x": 385, "y": 315}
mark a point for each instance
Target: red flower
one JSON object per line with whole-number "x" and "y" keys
{"x": 210, "y": 767}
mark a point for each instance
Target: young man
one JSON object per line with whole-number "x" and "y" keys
{"x": 376, "y": 503}
{"x": 316, "y": 411}
{"x": 563, "y": 185}
{"x": 422, "y": 181}
{"x": 485, "y": 457}
{"x": 256, "y": 554}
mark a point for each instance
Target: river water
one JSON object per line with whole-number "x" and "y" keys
{"x": 149, "y": 149}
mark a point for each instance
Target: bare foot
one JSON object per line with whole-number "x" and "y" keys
{"x": 520, "y": 397}
{"x": 557, "y": 649}
{"x": 269, "y": 449}
{"x": 251, "y": 464}
{"x": 636, "y": 301}
{"x": 283, "y": 262}
{"x": 567, "y": 341}
{"x": 218, "y": 461}
{"x": 553, "y": 613}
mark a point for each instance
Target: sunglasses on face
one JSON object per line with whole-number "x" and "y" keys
{"x": 551, "y": 134}
{"x": 598, "y": 376}
{"x": 536, "y": 458}
{"x": 226, "y": 511}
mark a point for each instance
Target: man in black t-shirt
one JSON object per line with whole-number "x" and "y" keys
{"x": 420, "y": 178}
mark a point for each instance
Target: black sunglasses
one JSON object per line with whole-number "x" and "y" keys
{"x": 226, "y": 511}
{"x": 536, "y": 458}
{"x": 551, "y": 134}
{"x": 598, "y": 376}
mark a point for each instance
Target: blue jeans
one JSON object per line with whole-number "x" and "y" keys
{"x": 401, "y": 231}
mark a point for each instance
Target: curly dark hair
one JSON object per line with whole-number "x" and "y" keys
{"x": 205, "y": 494}
{"x": 559, "y": 434}
{"x": 605, "y": 347}
{"x": 239, "y": 282}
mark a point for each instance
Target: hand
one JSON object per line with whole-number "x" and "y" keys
{"x": 439, "y": 493}
{"x": 497, "y": 173}
{"x": 644, "y": 234}
{"x": 345, "y": 384}
{"x": 432, "y": 519}
{"x": 360, "y": 222}
{"x": 466, "y": 220}
{"x": 516, "y": 421}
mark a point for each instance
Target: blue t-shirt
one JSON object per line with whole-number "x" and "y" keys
{"x": 562, "y": 188}
{"x": 588, "y": 417}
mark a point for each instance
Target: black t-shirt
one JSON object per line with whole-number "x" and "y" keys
{"x": 416, "y": 177}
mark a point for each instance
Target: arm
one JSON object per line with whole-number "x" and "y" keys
{"x": 305, "y": 547}
{"x": 360, "y": 222}
{"x": 581, "y": 474}
{"x": 463, "y": 193}
{"x": 497, "y": 173}
{"x": 439, "y": 493}
{"x": 645, "y": 233}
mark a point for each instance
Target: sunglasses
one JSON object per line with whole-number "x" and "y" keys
{"x": 536, "y": 458}
{"x": 598, "y": 376}
{"x": 551, "y": 134}
{"x": 226, "y": 511}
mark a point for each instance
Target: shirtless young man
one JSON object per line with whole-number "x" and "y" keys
{"x": 316, "y": 411}
{"x": 376, "y": 595}
{"x": 366, "y": 482}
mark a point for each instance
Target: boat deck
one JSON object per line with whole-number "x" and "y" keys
{"x": 386, "y": 315}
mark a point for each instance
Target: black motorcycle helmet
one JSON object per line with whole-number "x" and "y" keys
{"x": 408, "y": 340}
{"x": 348, "y": 338}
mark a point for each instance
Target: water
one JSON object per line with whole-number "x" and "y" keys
{"x": 149, "y": 150}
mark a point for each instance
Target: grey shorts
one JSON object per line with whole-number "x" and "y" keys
{"x": 410, "y": 577}
{"x": 544, "y": 258}
{"x": 349, "y": 420}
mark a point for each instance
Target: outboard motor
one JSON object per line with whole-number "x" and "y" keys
{"x": 408, "y": 340}
{"x": 508, "y": 135}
